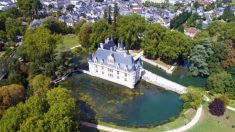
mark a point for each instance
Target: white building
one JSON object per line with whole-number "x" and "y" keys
{"x": 112, "y": 63}
{"x": 156, "y": 1}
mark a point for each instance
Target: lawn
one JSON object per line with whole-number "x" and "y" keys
{"x": 209, "y": 123}
{"x": 232, "y": 103}
{"x": 68, "y": 42}
{"x": 180, "y": 121}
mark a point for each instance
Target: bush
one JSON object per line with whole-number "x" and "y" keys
{"x": 225, "y": 99}
{"x": 217, "y": 107}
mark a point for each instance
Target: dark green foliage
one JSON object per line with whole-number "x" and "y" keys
{"x": 228, "y": 14}
{"x": 13, "y": 28}
{"x": 85, "y": 33}
{"x": 179, "y": 20}
{"x": 199, "y": 58}
{"x": 54, "y": 25}
{"x": 70, "y": 7}
{"x": 77, "y": 26}
{"x": 29, "y": 7}
{"x": 100, "y": 31}
{"x": 217, "y": 107}
{"x": 221, "y": 83}
{"x": 130, "y": 29}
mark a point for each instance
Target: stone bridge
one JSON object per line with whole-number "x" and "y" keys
{"x": 163, "y": 82}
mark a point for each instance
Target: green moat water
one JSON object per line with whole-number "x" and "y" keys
{"x": 144, "y": 106}
{"x": 179, "y": 76}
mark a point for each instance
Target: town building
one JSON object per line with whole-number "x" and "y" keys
{"x": 112, "y": 63}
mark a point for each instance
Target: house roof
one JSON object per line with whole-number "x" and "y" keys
{"x": 121, "y": 59}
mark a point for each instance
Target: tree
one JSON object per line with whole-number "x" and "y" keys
{"x": 196, "y": 5}
{"x": 3, "y": 37}
{"x": 29, "y": 7}
{"x": 115, "y": 14}
{"x": 221, "y": 83}
{"x": 13, "y": 28}
{"x": 217, "y": 107}
{"x": 152, "y": 37}
{"x": 100, "y": 31}
{"x": 64, "y": 63}
{"x": 53, "y": 112}
{"x": 39, "y": 84}
{"x": 10, "y": 95}
{"x": 228, "y": 14}
{"x": 199, "y": 57}
{"x": 229, "y": 61}
{"x": 40, "y": 46}
{"x": 179, "y": 20}
{"x": 77, "y": 26}
{"x": 215, "y": 63}
{"x": 173, "y": 45}
{"x": 193, "y": 98}
{"x": 70, "y": 7}
{"x": 110, "y": 21}
{"x": 130, "y": 29}
{"x": 54, "y": 25}
{"x": 85, "y": 33}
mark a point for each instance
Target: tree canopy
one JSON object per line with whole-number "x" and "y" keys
{"x": 130, "y": 29}
{"x": 29, "y": 7}
{"x": 10, "y": 95}
{"x": 53, "y": 112}
{"x": 40, "y": 45}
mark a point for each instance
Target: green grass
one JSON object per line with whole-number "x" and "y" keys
{"x": 209, "y": 123}
{"x": 232, "y": 103}
{"x": 69, "y": 41}
{"x": 180, "y": 121}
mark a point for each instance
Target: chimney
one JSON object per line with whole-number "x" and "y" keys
{"x": 101, "y": 45}
{"x": 125, "y": 54}
{"x": 106, "y": 40}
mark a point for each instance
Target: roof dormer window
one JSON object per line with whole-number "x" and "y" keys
{"x": 111, "y": 59}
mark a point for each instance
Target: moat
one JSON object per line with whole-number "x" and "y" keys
{"x": 102, "y": 100}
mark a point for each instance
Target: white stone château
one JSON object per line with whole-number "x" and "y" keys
{"x": 112, "y": 63}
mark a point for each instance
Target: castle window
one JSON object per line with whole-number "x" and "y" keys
{"x": 117, "y": 72}
{"x": 96, "y": 71}
{"x": 125, "y": 74}
{"x": 125, "y": 79}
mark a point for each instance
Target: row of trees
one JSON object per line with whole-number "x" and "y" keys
{"x": 135, "y": 32}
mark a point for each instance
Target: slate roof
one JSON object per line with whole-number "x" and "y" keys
{"x": 121, "y": 59}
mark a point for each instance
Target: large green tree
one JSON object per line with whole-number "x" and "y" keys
{"x": 54, "y": 25}
{"x": 29, "y": 7}
{"x": 173, "y": 45}
{"x": 39, "y": 84}
{"x": 199, "y": 58}
{"x": 221, "y": 83}
{"x": 53, "y": 112}
{"x": 40, "y": 46}
{"x": 85, "y": 33}
{"x": 130, "y": 29}
{"x": 153, "y": 35}
{"x": 100, "y": 31}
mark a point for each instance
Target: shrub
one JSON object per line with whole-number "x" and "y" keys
{"x": 217, "y": 107}
{"x": 225, "y": 99}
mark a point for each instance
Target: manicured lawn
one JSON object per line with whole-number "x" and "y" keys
{"x": 232, "y": 103}
{"x": 69, "y": 41}
{"x": 209, "y": 123}
{"x": 180, "y": 121}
